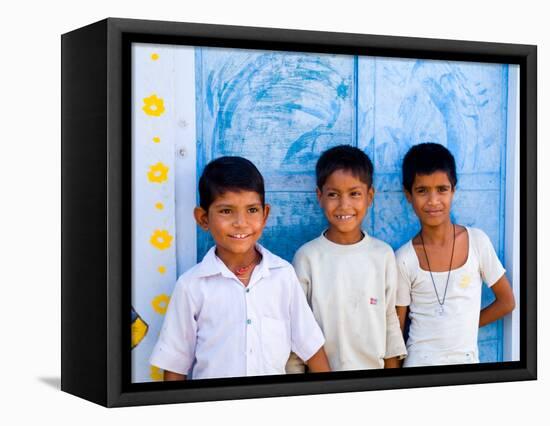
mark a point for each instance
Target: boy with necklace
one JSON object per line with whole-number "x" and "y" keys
{"x": 241, "y": 310}
{"x": 350, "y": 277}
{"x": 442, "y": 268}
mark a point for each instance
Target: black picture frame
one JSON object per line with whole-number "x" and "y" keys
{"x": 96, "y": 188}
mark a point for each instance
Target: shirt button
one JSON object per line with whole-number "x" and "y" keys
{"x": 248, "y": 290}
{"x": 249, "y": 321}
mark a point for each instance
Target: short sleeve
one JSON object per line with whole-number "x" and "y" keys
{"x": 303, "y": 272}
{"x": 175, "y": 348}
{"x": 490, "y": 267}
{"x": 404, "y": 281}
{"x": 306, "y": 335}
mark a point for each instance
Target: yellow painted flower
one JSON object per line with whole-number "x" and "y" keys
{"x": 153, "y": 105}
{"x": 161, "y": 269}
{"x": 154, "y": 56}
{"x": 158, "y": 173}
{"x": 160, "y": 303}
{"x": 156, "y": 373}
{"x": 161, "y": 239}
{"x": 156, "y": 139}
{"x": 159, "y": 206}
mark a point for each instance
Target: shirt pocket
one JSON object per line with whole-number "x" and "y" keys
{"x": 275, "y": 344}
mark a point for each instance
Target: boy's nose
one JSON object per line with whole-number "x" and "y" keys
{"x": 344, "y": 201}
{"x": 239, "y": 219}
{"x": 433, "y": 198}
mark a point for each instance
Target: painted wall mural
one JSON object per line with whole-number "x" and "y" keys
{"x": 153, "y": 202}
{"x": 282, "y": 109}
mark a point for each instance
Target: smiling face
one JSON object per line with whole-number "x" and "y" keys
{"x": 236, "y": 221}
{"x": 431, "y": 197}
{"x": 345, "y": 200}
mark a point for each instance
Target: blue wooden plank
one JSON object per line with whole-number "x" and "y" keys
{"x": 278, "y": 109}
{"x": 456, "y": 104}
{"x": 490, "y": 350}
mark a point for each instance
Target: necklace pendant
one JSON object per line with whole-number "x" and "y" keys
{"x": 440, "y": 311}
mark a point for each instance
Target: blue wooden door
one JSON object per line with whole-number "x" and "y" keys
{"x": 281, "y": 110}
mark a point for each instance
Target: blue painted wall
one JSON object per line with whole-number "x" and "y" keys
{"x": 281, "y": 110}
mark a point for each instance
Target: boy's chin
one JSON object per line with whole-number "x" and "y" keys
{"x": 239, "y": 249}
{"x": 433, "y": 222}
{"x": 345, "y": 230}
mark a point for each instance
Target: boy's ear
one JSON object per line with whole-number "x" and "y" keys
{"x": 371, "y": 191}
{"x": 319, "y": 194}
{"x": 201, "y": 217}
{"x": 267, "y": 209}
{"x": 407, "y": 195}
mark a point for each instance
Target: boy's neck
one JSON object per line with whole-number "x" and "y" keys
{"x": 234, "y": 261}
{"x": 347, "y": 238}
{"x": 438, "y": 235}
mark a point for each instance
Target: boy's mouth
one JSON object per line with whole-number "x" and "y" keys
{"x": 239, "y": 236}
{"x": 344, "y": 216}
{"x": 434, "y": 212}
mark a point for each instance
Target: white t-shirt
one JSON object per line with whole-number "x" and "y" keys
{"x": 450, "y": 337}
{"x": 351, "y": 290}
{"x": 217, "y": 327}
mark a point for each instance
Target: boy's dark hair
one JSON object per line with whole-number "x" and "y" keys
{"x": 229, "y": 174}
{"x": 344, "y": 157}
{"x": 425, "y": 159}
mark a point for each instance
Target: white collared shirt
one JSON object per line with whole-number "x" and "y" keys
{"x": 217, "y": 327}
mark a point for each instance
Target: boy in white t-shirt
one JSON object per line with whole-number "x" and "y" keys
{"x": 348, "y": 276}
{"x": 442, "y": 268}
{"x": 241, "y": 311}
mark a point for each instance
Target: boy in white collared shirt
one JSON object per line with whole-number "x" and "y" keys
{"x": 240, "y": 311}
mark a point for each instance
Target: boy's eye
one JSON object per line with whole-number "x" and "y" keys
{"x": 356, "y": 194}
{"x": 253, "y": 210}
{"x": 443, "y": 189}
{"x": 332, "y": 194}
{"x": 225, "y": 211}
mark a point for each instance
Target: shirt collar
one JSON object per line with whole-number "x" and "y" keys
{"x": 212, "y": 265}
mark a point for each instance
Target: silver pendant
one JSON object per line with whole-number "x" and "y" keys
{"x": 440, "y": 311}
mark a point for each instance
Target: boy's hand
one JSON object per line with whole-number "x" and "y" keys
{"x": 392, "y": 362}
{"x": 402, "y": 312}
{"x": 504, "y": 302}
{"x": 318, "y": 363}
{"x": 170, "y": 376}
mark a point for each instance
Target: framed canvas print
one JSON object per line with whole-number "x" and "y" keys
{"x": 148, "y": 289}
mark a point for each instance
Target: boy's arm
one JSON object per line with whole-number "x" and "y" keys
{"x": 395, "y": 345}
{"x": 504, "y": 302}
{"x": 306, "y": 335}
{"x": 170, "y": 376}
{"x": 318, "y": 363}
{"x": 295, "y": 365}
{"x": 402, "y": 315}
{"x": 394, "y": 362}
{"x": 492, "y": 271}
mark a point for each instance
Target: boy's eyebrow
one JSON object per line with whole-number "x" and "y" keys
{"x": 347, "y": 189}
{"x": 233, "y": 205}
{"x": 437, "y": 186}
